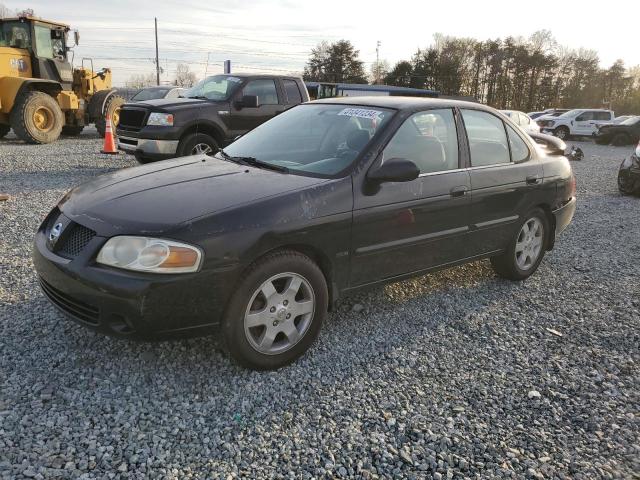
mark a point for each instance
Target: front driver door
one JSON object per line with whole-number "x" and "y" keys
{"x": 269, "y": 104}
{"x": 405, "y": 227}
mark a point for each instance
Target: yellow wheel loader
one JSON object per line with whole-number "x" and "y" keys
{"x": 41, "y": 94}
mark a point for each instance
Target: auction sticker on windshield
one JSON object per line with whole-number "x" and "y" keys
{"x": 360, "y": 113}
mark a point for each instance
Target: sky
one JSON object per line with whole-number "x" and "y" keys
{"x": 277, "y": 35}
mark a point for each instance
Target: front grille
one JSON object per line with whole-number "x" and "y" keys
{"x": 74, "y": 241}
{"x": 132, "y": 119}
{"x": 80, "y": 310}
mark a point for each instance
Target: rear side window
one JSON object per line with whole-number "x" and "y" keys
{"x": 265, "y": 90}
{"x": 519, "y": 149}
{"x": 487, "y": 138}
{"x": 601, "y": 116}
{"x": 292, "y": 91}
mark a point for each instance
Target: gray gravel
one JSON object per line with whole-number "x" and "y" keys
{"x": 451, "y": 375}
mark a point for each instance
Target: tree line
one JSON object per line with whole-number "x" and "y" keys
{"x": 515, "y": 73}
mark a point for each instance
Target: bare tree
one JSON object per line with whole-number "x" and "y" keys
{"x": 184, "y": 76}
{"x": 141, "y": 80}
{"x": 6, "y": 12}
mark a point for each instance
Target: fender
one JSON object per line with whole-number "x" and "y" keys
{"x": 12, "y": 87}
{"x": 205, "y": 126}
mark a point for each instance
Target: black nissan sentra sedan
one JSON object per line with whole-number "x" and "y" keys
{"x": 260, "y": 240}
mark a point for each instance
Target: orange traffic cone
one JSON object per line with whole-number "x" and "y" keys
{"x": 109, "y": 142}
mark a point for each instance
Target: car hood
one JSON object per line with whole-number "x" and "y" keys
{"x": 157, "y": 197}
{"x": 172, "y": 104}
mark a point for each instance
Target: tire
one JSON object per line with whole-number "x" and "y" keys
{"x": 72, "y": 130}
{"x": 190, "y": 144}
{"x": 112, "y": 108}
{"x": 562, "y": 133}
{"x": 509, "y": 265}
{"x": 258, "y": 340}
{"x": 143, "y": 160}
{"x": 36, "y": 117}
{"x": 4, "y": 129}
{"x": 621, "y": 139}
{"x": 626, "y": 184}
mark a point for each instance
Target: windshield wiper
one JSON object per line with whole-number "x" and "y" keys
{"x": 253, "y": 162}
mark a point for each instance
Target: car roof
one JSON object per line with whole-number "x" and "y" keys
{"x": 402, "y": 103}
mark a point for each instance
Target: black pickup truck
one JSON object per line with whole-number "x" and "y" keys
{"x": 206, "y": 117}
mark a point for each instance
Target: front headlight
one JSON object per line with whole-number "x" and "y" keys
{"x": 160, "y": 119}
{"x": 153, "y": 255}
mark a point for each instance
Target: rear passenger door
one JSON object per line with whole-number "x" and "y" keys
{"x": 269, "y": 104}
{"x": 504, "y": 179}
{"x": 406, "y": 227}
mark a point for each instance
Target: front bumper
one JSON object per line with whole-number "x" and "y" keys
{"x": 130, "y": 304}
{"x": 564, "y": 215}
{"x": 155, "y": 149}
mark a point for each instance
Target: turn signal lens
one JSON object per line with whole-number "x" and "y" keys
{"x": 150, "y": 255}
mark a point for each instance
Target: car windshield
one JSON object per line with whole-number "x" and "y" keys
{"x": 15, "y": 34}
{"x": 150, "y": 94}
{"x": 631, "y": 121}
{"x": 216, "y": 87}
{"x": 313, "y": 139}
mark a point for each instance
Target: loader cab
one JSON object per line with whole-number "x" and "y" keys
{"x": 46, "y": 43}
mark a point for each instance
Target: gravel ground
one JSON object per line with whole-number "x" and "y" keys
{"x": 452, "y": 375}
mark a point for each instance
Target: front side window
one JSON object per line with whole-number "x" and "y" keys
{"x": 216, "y": 87}
{"x": 265, "y": 90}
{"x": 429, "y": 139}
{"x": 315, "y": 139}
{"x": 487, "y": 138}
{"x": 519, "y": 149}
{"x": 583, "y": 117}
{"x": 44, "y": 45}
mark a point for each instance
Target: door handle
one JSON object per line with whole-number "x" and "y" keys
{"x": 459, "y": 191}
{"x": 533, "y": 180}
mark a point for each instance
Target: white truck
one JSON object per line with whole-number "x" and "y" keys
{"x": 578, "y": 122}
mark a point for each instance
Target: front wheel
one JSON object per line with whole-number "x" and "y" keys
{"x": 561, "y": 132}
{"x": 112, "y": 108}
{"x": 197, "y": 144}
{"x": 527, "y": 248}
{"x": 36, "y": 117}
{"x": 276, "y": 311}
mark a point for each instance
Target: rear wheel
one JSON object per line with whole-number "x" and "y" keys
{"x": 72, "y": 130}
{"x": 276, "y": 312}
{"x": 621, "y": 139}
{"x": 561, "y": 132}
{"x": 526, "y": 250}
{"x": 4, "y": 129}
{"x": 36, "y": 117}
{"x": 112, "y": 107}
{"x": 197, "y": 144}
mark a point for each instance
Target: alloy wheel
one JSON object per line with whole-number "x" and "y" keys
{"x": 202, "y": 149}
{"x": 279, "y": 313}
{"x": 529, "y": 243}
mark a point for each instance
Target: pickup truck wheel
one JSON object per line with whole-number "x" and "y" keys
{"x": 621, "y": 139}
{"x": 197, "y": 144}
{"x": 526, "y": 250}
{"x": 561, "y": 132}
{"x": 4, "y": 129}
{"x": 276, "y": 311}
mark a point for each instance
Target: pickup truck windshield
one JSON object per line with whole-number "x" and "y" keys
{"x": 216, "y": 87}
{"x": 314, "y": 139}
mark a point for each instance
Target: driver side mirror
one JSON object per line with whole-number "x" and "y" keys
{"x": 394, "y": 170}
{"x": 76, "y": 37}
{"x": 248, "y": 101}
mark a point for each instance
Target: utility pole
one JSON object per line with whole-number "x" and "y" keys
{"x": 157, "y": 59}
{"x": 378, "y": 62}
